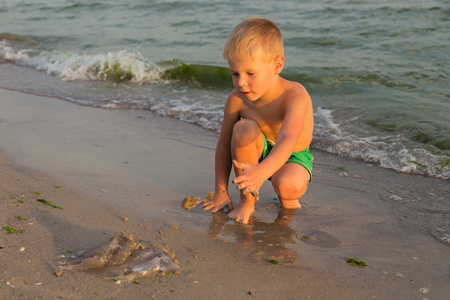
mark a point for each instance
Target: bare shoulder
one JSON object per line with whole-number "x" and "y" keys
{"x": 234, "y": 102}
{"x": 235, "y": 96}
{"x": 296, "y": 92}
{"x": 231, "y": 115}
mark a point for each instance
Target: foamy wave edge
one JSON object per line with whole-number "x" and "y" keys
{"x": 388, "y": 152}
{"x": 112, "y": 66}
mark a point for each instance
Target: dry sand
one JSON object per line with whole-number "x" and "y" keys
{"x": 100, "y": 166}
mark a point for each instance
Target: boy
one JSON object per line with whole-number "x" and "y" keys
{"x": 267, "y": 124}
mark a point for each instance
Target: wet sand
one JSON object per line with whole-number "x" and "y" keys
{"x": 100, "y": 166}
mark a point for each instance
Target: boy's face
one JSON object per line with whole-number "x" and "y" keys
{"x": 254, "y": 77}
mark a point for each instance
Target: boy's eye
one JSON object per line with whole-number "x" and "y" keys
{"x": 250, "y": 74}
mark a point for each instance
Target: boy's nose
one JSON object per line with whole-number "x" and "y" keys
{"x": 242, "y": 82}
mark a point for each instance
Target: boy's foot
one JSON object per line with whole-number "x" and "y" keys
{"x": 243, "y": 211}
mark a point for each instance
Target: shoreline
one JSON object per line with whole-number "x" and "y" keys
{"x": 103, "y": 165}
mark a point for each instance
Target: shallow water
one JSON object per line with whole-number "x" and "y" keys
{"x": 271, "y": 240}
{"x": 377, "y": 72}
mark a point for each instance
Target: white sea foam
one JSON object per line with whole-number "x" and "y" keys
{"x": 70, "y": 66}
{"x": 8, "y": 53}
{"x": 324, "y": 116}
{"x": 75, "y": 66}
{"x": 206, "y": 115}
{"x": 387, "y": 151}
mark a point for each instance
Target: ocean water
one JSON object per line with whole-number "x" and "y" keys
{"x": 377, "y": 72}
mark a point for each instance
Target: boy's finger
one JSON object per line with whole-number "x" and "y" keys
{"x": 242, "y": 185}
{"x": 256, "y": 195}
{"x": 239, "y": 179}
{"x": 213, "y": 207}
{"x": 207, "y": 206}
{"x": 238, "y": 164}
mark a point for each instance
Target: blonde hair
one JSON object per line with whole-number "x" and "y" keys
{"x": 255, "y": 38}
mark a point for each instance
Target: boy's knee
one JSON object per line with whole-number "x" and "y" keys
{"x": 246, "y": 128}
{"x": 289, "y": 189}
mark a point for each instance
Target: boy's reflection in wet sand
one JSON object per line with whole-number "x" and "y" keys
{"x": 266, "y": 240}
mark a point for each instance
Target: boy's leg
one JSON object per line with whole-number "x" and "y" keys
{"x": 290, "y": 184}
{"x": 247, "y": 145}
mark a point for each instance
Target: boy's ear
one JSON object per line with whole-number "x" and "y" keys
{"x": 279, "y": 64}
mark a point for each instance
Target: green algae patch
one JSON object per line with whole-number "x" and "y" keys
{"x": 48, "y": 203}
{"x": 114, "y": 72}
{"x": 10, "y": 230}
{"x": 442, "y": 145}
{"x": 200, "y": 74}
{"x": 304, "y": 238}
{"x": 447, "y": 162}
{"x": 117, "y": 73}
{"x": 355, "y": 262}
{"x": 274, "y": 261}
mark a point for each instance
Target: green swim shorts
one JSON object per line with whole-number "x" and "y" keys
{"x": 303, "y": 158}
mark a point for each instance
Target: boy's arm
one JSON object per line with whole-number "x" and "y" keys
{"x": 296, "y": 107}
{"x": 223, "y": 157}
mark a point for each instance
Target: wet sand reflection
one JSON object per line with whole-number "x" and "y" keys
{"x": 269, "y": 241}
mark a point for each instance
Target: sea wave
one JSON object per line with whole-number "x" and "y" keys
{"x": 132, "y": 66}
{"x": 387, "y": 151}
{"x": 196, "y": 93}
{"x": 112, "y": 66}
{"x": 119, "y": 66}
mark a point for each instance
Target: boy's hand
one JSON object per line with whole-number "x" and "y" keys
{"x": 249, "y": 181}
{"x": 218, "y": 202}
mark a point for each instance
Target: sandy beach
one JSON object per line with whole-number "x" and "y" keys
{"x": 102, "y": 166}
